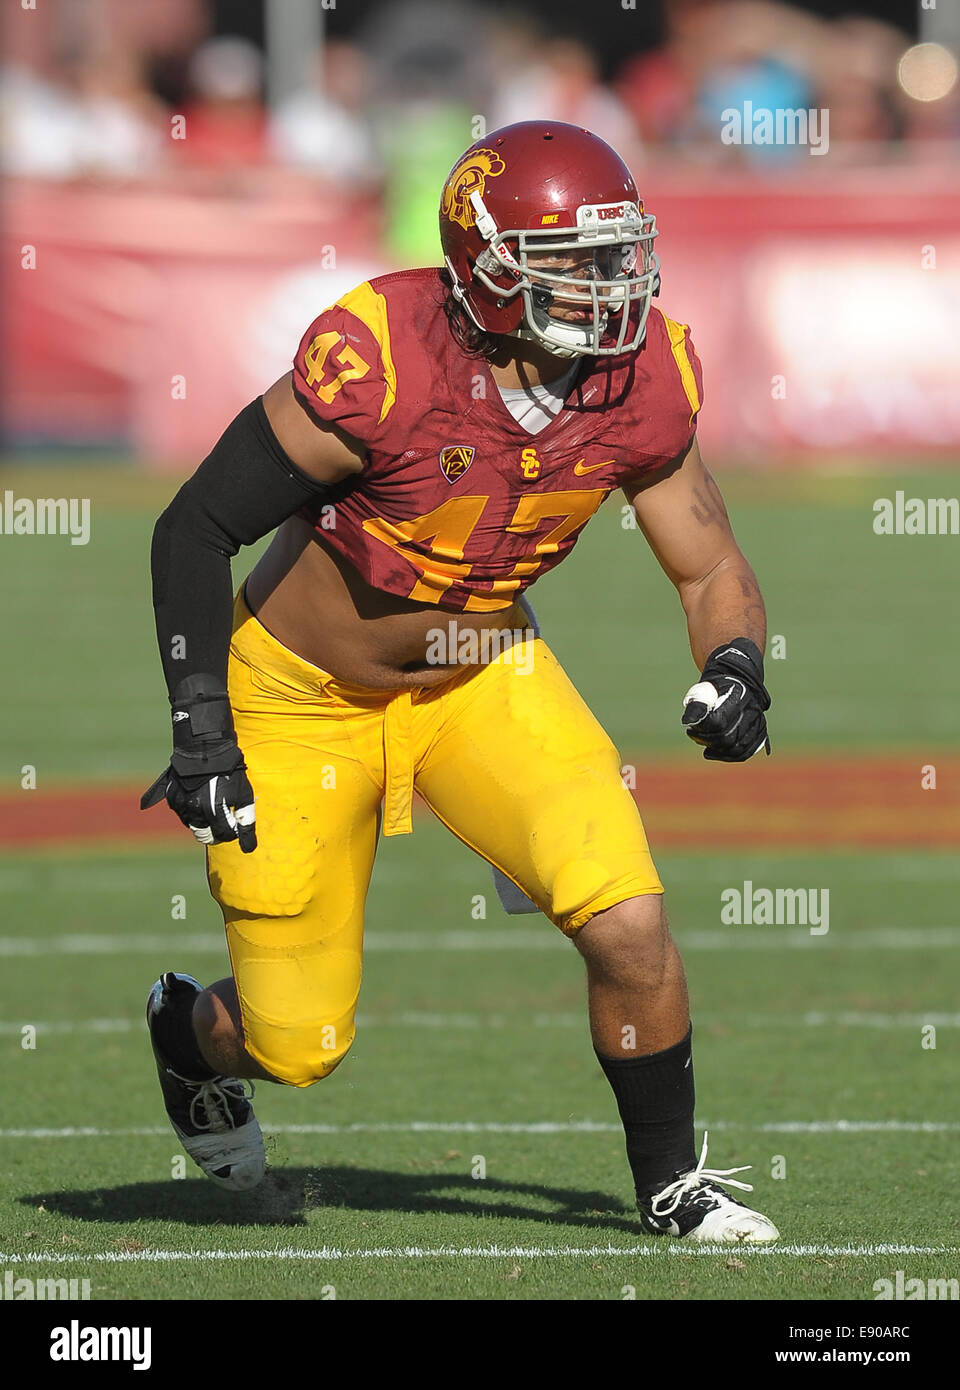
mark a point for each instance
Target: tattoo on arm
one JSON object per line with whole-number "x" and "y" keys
{"x": 754, "y": 613}
{"x": 709, "y": 509}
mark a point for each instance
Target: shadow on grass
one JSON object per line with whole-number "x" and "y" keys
{"x": 287, "y": 1196}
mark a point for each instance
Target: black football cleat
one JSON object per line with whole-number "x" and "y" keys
{"x": 212, "y": 1118}
{"x": 695, "y": 1207}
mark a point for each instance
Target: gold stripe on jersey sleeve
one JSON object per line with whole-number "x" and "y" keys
{"x": 370, "y": 307}
{"x": 675, "y": 332}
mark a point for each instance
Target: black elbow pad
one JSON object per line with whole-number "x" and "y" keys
{"x": 245, "y": 487}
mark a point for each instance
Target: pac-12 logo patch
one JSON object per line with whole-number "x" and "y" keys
{"x": 455, "y": 459}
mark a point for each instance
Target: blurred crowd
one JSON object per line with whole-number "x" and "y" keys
{"x": 152, "y": 91}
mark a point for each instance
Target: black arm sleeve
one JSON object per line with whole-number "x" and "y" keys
{"x": 243, "y": 489}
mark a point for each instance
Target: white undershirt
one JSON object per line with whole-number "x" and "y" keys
{"x": 533, "y": 407}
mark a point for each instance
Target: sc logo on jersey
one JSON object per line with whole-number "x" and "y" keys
{"x": 530, "y": 465}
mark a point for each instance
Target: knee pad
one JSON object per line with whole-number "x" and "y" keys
{"x": 298, "y": 1054}
{"x": 297, "y": 990}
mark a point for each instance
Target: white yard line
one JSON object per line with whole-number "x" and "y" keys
{"x": 815, "y": 1018}
{"x": 134, "y": 943}
{"x": 79, "y": 1025}
{"x": 50, "y": 876}
{"x": 471, "y": 1252}
{"x": 507, "y": 1127}
{"x": 543, "y": 938}
{"x": 79, "y": 876}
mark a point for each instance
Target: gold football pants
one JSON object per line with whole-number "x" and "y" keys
{"x": 506, "y": 755}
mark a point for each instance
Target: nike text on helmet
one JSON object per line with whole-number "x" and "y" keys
{"x": 543, "y": 216}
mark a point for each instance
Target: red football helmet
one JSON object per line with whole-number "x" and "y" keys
{"x": 545, "y": 237}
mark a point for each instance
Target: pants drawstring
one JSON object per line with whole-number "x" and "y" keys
{"x": 398, "y": 762}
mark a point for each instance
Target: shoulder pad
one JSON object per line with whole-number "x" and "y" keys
{"x": 344, "y": 371}
{"x": 685, "y": 363}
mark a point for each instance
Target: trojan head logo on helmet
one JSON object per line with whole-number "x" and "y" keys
{"x": 468, "y": 176}
{"x": 545, "y": 237}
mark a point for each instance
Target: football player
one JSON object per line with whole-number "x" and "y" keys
{"x": 442, "y": 439}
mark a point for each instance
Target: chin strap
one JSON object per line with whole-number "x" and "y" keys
{"x": 557, "y": 349}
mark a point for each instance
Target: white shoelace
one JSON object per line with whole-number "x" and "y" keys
{"x": 675, "y": 1190}
{"x": 215, "y": 1096}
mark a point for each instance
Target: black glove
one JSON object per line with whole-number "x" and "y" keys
{"x": 732, "y": 728}
{"x": 206, "y": 782}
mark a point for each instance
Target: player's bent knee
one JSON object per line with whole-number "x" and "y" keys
{"x": 631, "y": 936}
{"x": 645, "y": 915}
{"x": 300, "y": 1055}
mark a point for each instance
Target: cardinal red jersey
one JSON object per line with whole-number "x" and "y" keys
{"x": 457, "y": 504}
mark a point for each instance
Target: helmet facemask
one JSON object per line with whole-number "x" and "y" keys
{"x": 586, "y": 290}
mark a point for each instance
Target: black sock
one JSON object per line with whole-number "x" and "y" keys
{"x": 655, "y": 1099}
{"x": 178, "y": 1041}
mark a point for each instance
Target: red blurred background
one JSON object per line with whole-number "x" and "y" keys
{"x": 189, "y": 183}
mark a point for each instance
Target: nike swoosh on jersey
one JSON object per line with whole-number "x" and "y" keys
{"x": 579, "y": 470}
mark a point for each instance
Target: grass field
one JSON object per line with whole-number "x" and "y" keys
{"x": 473, "y": 1042}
